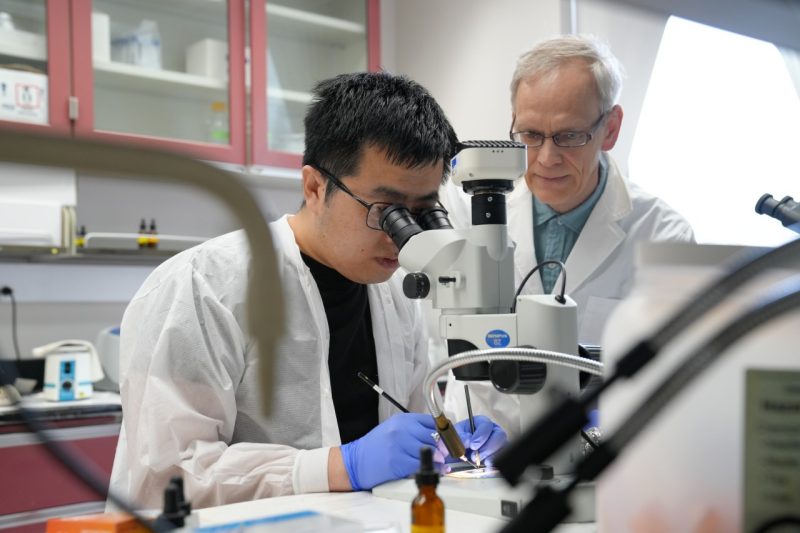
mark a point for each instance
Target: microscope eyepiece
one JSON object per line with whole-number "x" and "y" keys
{"x": 434, "y": 218}
{"x": 786, "y": 211}
{"x": 397, "y": 222}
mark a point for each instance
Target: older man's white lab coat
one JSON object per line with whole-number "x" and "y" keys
{"x": 600, "y": 269}
{"x": 190, "y": 388}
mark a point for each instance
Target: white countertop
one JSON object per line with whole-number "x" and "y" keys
{"x": 376, "y": 514}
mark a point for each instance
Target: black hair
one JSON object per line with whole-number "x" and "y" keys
{"x": 352, "y": 112}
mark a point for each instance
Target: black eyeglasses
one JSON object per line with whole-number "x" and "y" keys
{"x": 374, "y": 209}
{"x": 565, "y": 139}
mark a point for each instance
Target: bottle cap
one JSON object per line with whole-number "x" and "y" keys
{"x": 427, "y": 475}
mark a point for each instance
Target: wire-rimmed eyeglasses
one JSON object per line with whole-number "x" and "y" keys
{"x": 564, "y": 139}
{"x": 374, "y": 209}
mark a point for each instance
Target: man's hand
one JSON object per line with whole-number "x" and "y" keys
{"x": 485, "y": 442}
{"x": 390, "y": 451}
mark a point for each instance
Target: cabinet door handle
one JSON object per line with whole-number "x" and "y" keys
{"x": 73, "y": 108}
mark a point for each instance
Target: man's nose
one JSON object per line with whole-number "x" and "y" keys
{"x": 548, "y": 154}
{"x": 385, "y": 237}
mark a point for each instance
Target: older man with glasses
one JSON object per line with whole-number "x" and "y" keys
{"x": 573, "y": 204}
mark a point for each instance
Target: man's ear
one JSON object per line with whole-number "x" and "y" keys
{"x": 612, "y": 128}
{"x": 314, "y": 186}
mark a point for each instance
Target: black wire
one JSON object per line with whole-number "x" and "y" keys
{"x": 10, "y": 293}
{"x": 560, "y": 298}
{"x": 588, "y": 439}
{"x": 14, "y": 335}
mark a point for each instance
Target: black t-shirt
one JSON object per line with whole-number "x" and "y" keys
{"x": 352, "y": 350}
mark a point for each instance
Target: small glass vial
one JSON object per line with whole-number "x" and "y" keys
{"x": 143, "y": 239}
{"x": 152, "y": 235}
{"x": 80, "y": 237}
{"x": 427, "y": 509}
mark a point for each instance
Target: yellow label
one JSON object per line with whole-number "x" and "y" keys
{"x": 427, "y": 529}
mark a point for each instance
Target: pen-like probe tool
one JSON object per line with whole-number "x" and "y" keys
{"x": 445, "y": 428}
{"x": 476, "y": 454}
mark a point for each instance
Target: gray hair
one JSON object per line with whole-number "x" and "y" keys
{"x": 549, "y": 55}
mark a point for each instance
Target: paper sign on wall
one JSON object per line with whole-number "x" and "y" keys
{"x": 23, "y": 96}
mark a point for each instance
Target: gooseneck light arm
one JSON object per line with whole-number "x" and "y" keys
{"x": 528, "y": 355}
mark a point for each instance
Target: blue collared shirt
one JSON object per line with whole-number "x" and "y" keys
{"x": 554, "y": 234}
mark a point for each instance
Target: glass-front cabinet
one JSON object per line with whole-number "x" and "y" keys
{"x": 178, "y": 74}
{"x": 295, "y": 45}
{"x": 34, "y": 64}
{"x": 163, "y": 72}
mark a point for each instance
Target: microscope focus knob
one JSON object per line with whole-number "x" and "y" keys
{"x": 416, "y": 285}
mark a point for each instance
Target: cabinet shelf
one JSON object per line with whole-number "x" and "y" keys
{"x": 113, "y": 74}
{"x": 296, "y": 97}
{"x": 315, "y": 26}
{"x": 36, "y": 254}
{"x": 23, "y": 45}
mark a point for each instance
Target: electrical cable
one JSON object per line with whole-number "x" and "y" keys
{"x": 7, "y": 291}
{"x": 589, "y": 440}
{"x": 82, "y": 469}
{"x": 559, "y": 298}
{"x": 551, "y": 506}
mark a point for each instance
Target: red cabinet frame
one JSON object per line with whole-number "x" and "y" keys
{"x": 259, "y": 152}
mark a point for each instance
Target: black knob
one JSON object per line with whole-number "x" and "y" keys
{"x": 416, "y": 285}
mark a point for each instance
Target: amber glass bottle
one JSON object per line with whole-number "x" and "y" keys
{"x": 427, "y": 509}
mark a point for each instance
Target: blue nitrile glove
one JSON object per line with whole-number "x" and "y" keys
{"x": 487, "y": 439}
{"x": 390, "y": 451}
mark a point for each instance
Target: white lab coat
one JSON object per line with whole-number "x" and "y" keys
{"x": 600, "y": 267}
{"x": 189, "y": 378}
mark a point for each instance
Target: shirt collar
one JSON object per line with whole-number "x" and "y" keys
{"x": 576, "y": 218}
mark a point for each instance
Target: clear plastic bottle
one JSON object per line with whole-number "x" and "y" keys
{"x": 427, "y": 509}
{"x": 148, "y": 43}
{"x": 218, "y": 125}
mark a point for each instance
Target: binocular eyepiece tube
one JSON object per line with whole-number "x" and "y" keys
{"x": 398, "y": 222}
{"x": 787, "y": 211}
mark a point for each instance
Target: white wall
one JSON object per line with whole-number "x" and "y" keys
{"x": 464, "y": 52}
{"x": 57, "y": 300}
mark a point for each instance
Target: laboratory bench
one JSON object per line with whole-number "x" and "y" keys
{"x": 375, "y": 514}
{"x": 36, "y": 486}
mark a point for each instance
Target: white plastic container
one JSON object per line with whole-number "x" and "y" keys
{"x": 209, "y": 58}
{"x": 101, "y": 36}
{"x": 686, "y": 470}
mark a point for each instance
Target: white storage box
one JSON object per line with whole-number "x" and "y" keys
{"x": 208, "y": 57}
{"x": 30, "y": 224}
{"x": 101, "y": 36}
{"x": 23, "y": 44}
